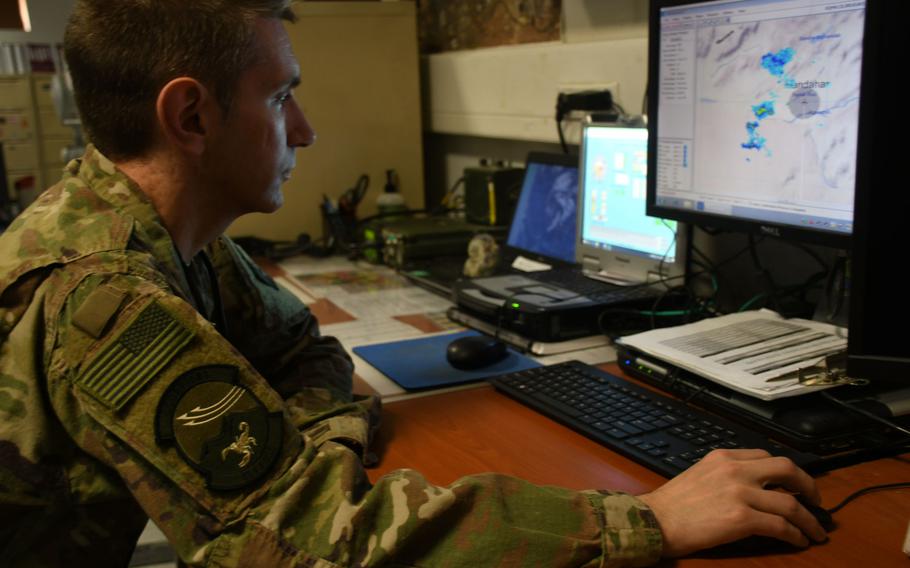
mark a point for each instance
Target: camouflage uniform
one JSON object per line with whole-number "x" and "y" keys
{"x": 130, "y": 387}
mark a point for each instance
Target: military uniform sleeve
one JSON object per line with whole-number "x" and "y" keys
{"x": 280, "y": 337}
{"x": 275, "y": 330}
{"x": 210, "y": 452}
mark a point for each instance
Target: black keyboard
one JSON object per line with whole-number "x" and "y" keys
{"x": 659, "y": 432}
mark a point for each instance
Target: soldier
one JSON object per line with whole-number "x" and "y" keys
{"x": 148, "y": 368}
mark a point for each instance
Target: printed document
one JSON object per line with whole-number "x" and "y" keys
{"x": 758, "y": 353}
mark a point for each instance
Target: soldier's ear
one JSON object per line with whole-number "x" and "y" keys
{"x": 185, "y": 109}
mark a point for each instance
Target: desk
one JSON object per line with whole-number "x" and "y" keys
{"x": 362, "y": 304}
{"x": 452, "y": 434}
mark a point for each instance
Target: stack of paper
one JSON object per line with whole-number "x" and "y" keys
{"x": 758, "y": 353}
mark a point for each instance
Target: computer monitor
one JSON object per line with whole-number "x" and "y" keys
{"x": 754, "y": 113}
{"x": 879, "y": 311}
{"x": 617, "y": 241}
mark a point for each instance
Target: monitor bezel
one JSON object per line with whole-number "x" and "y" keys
{"x": 832, "y": 239}
{"x": 876, "y": 211}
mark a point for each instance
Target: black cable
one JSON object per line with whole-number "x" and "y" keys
{"x": 736, "y": 255}
{"x": 710, "y": 231}
{"x": 836, "y": 288}
{"x": 704, "y": 256}
{"x": 655, "y": 305}
{"x": 614, "y": 331}
{"x": 766, "y": 278}
{"x": 444, "y": 206}
{"x": 275, "y": 250}
{"x": 663, "y": 259}
{"x": 865, "y": 413}
{"x": 772, "y": 291}
{"x": 405, "y": 213}
{"x": 562, "y": 138}
{"x": 688, "y": 400}
{"x": 806, "y": 249}
{"x": 873, "y": 488}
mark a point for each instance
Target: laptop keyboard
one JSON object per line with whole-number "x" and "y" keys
{"x": 594, "y": 289}
{"x": 657, "y": 431}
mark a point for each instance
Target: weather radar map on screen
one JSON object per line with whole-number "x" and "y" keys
{"x": 759, "y": 106}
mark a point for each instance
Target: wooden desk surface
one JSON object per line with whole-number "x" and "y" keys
{"x": 451, "y": 435}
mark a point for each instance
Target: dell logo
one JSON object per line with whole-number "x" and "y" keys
{"x": 773, "y": 231}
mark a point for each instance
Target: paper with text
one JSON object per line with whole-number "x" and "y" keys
{"x": 757, "y": 353}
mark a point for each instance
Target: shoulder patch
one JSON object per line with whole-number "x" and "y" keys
{"x": 127, "y": 363}
{"x": 97, "y": 310}
{"x": 219, "y": 427}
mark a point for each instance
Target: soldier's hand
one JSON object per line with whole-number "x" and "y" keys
{"x": 724, "y": 497}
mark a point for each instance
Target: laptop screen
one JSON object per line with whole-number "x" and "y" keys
{"x": 545, "y": 219}
{"x": 615, "y": 234}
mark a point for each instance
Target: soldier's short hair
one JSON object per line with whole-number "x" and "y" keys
{"x": 121, "y": 53}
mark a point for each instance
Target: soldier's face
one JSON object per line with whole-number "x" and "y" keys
{"x": 253, "y": 153}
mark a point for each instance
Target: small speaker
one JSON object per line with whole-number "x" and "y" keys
{"x": 490, "y": 194}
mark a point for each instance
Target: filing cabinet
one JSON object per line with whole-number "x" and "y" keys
{"x": 32, "y": 136}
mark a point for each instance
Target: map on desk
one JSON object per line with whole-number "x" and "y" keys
{"x": 361, "y": 303}
{"x": 364, "y": 304}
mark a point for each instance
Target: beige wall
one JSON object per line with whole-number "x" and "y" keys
{"x": 360, "y": 91}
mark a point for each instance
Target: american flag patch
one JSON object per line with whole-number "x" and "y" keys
{"x": 125, "y": 365}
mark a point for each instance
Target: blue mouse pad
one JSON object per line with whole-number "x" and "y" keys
{"x": 420, "y": 363}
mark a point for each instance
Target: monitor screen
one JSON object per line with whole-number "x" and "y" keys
{"x": 615, "y": 177}
{"x": 545, "y": 216}
{"x": 615, "y": 235}
{"x": 754, "y": 111}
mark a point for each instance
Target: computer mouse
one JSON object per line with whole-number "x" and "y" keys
{"x": 762, "y": 545}
{"x": 821, "y": 514}
{"x": 475, "y": 352}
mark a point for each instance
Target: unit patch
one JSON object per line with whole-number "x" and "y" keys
{"x": 219, "y": 427}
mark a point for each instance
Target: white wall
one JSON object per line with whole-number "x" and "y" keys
{"x": 499, "y": 103}
{"x": 510, "y": 92}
